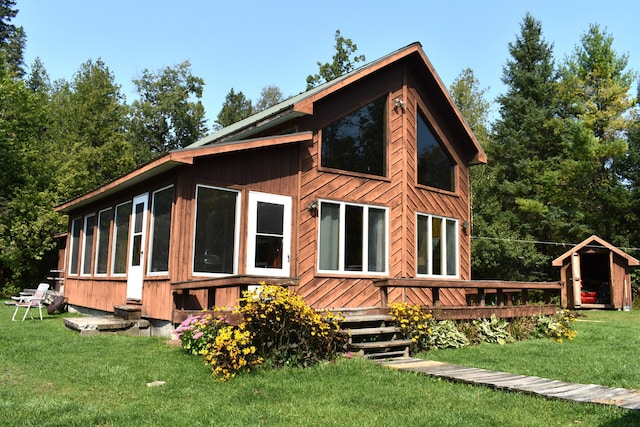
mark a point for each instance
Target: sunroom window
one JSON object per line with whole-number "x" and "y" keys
{"x": 121, "y": 238}
{"x": 74, "y": 254}
{"x": 102, "y": 249}
{"x": 160, "y": 230}
{"x": 87, "y": 244}
{"x": 353, "y": 238}
{"x": 216, "y": 230}
{"x": 435, "y": 166}
{"x": 356, "y": 142}
{"x": 437, "y": 246}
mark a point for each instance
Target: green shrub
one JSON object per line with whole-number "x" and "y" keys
{"x": 445, "y": 334}
{"x": 196, "y": 332}
{"x": 493, "y": 330}
{"x": 286, "y": 331}
{"x": 559, "y": 326}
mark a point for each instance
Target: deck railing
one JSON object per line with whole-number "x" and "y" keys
{"x": 241, "y": 282}
{"x": 476, "y": 292}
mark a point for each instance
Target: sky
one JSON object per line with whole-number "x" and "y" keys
{"x": 247, "y": 45}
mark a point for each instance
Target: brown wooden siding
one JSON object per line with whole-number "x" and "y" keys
{"x": 397, "y": 191}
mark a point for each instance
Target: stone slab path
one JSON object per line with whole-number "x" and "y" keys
{"x": 592, "y": 393}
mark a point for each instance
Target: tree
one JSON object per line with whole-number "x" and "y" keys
{"x": 12, "y": 38}
{"x": 596, "y": 108}
{"x": 344, "y": 61}
{"x": 236, "y": 107}
{"x": 167, "y": 117}
{"x": 270, "y": 96}
{"x": 27, "y": 219}
{"x": 88, "y": 119}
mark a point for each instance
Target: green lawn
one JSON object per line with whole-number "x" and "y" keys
{"x": 50, "y": 376}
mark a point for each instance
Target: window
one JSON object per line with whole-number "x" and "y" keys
{"x": 216, "y": 230}
{"x": 356, "y": 142}
{"x": 121, "y": 238}
{"x": 160, "y": 230}
{"x": 76, "y": 225}
{"x": 435, "y": 166}
{"x": 353, "y": 238}
{"x": 437, "y": 246}
{"x": 102, "y": 250}
{"x": 87, "y": 244}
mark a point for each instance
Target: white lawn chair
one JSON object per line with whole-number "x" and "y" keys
{"x": 31, "y": 301}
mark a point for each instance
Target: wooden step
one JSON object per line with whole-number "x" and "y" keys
{"x": 400, "y": 354}
{"x": 381, "y": 344}
{"x": 370, "y": 331}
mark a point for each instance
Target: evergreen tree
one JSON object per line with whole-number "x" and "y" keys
{"x": 12, "y": 38}
{"x": 525, "y": 153}
{"x": 236, "y": 107}
{"x": 596, "y": 111}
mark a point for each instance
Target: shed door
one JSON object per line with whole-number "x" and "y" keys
{"x": 137, "y": 244}
{"x": 269, "y": 235}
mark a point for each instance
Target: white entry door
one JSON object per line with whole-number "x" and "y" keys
{"x": 137, "y": 245}
{"x": 269, "y": 238}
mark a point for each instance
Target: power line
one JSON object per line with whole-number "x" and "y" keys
{"x": 539, "y": 242}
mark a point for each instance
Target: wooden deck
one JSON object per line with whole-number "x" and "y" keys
{"x": 553, "y": 389}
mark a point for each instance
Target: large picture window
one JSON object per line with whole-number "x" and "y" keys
{"x": 74, "y": 254}
{"x": 160, "y": 230}
{"x": 437, "y": 246}
{"x": 435, "y": 166}
{"x": 87, "y": 244}
{"x": 353, "y": 238}
{"x": 121, "y": 238}
{"x": 102, "y": 249}
{"x": 356, "y": 142}
{"x": 216, "y": 230}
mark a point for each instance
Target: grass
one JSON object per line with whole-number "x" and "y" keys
{"x": 603, "y": 352}
{"x": 51, "y": 376}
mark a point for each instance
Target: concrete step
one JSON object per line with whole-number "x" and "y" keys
{"x": 87, "y": 326}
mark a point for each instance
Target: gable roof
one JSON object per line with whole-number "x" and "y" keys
{"x": 238, "y": 136}
{"x": 595, "y": 241}
{"x": 302, "y": 104}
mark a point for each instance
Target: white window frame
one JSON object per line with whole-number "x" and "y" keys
{"x": 114, "y": 241}
{"x": 236, "y": 233}
{"x": 84, "y": 259}
{"x": 444, "y": 256}
{"x": 97, "y": 239}
{"x": 75, "y": 240}
{"x": 365, "y": 240}
{"x": 151, "y": 230}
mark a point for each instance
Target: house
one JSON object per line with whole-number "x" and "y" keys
{"x": 363, "y": 178}
{"x": 596, "y": 274}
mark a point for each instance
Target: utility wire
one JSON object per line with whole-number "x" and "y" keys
{"x": 539, "y": 242}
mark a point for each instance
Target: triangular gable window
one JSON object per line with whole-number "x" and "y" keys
{"x": 435, "y": 166}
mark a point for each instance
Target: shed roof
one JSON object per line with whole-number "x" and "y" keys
{"x": 595, "y": 241}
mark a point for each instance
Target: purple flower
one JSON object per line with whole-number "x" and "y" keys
{"x": 198, "y": 335}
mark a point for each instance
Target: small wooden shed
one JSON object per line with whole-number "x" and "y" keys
{"x": 596, "y": 275}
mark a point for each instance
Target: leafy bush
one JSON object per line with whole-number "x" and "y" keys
{"x": 445, "y": 334}
{"x": 196, "y": 332}
{"x": 230, "y": 352}
{"x": 559, "y": 326}
{"x": 492, "y": 330}
{"x": 286, "y": 331}
{"x": 413, "y": 322}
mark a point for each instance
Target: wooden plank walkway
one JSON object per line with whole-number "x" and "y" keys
{"x": 592, "y": 393}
